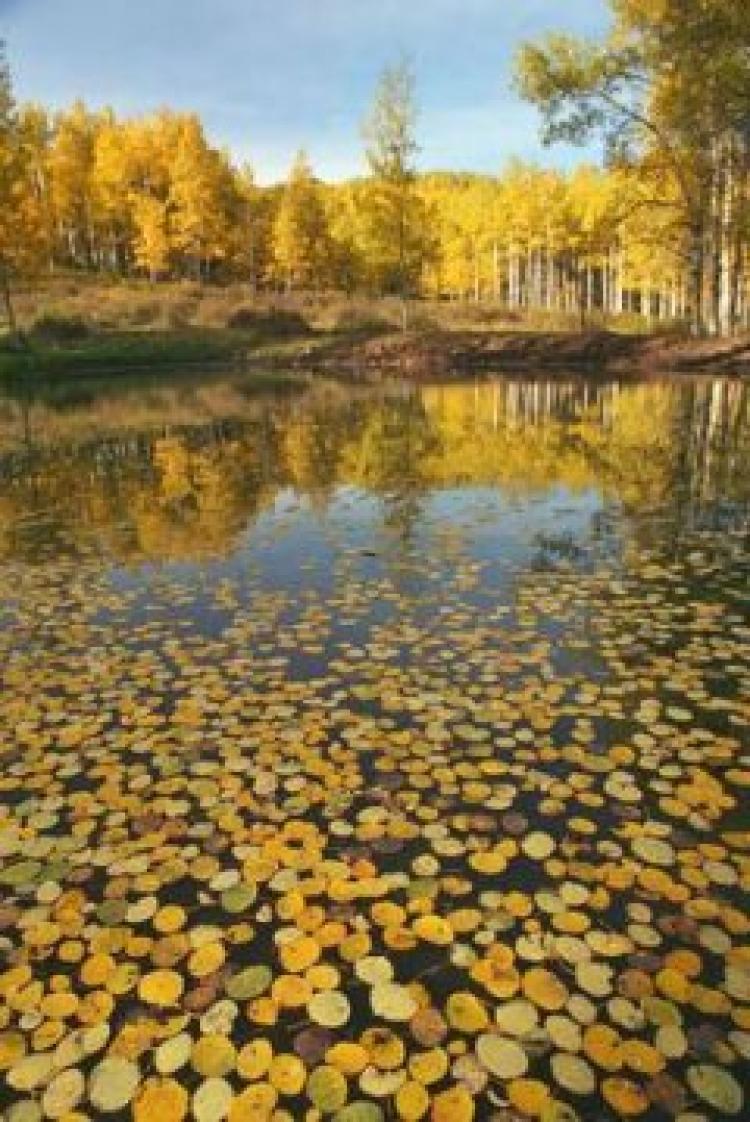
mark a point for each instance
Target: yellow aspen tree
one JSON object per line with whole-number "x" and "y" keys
{"x": 300, "y": 237}
{"x": 203, "y": 198}
{"x": 114, "y": 175}
{"x": 71, "y": 163}
{"x": 152, "y": 242}
{"x": 398, "y": 232}
{"x": 21, "y": 202}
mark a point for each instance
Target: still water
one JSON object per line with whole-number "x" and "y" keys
{"x": 374, "y": 753}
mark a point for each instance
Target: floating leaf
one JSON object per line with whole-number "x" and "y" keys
{"x": 161, "y": 1099}
{"x": 516, "y": 1018}
{"x": 381, "y": 1084}
{"x": 428, "y": 1067}
{"x": 374, "y": 970}
{"x": 603, "y": 1047}
{"x": 412, "y": 1101}
{"x": 503, "y": 1058}
{"x": 249, "y": 983}
{"x": 206, "y": 959}
{"x": 654, "y": 851}
{"x": 348, "y": 1057}
{"x": 453, "y": 1105}
{"x": 112, "y": 1084}
{"x": 433, "y": 929}
{"x": 31, "y": 1072}
{"x": 326, "y": 1089}
{"x": 573, "y": 1073}
{"x": 383, "y": 1047}
{"x": 564, "y": 1033}
{"x": 173, "y": 1054}
{"x": 392, "y": 1002}
{"x": 12, "y": 1049}
{"x": 212, "y": 1100}
{"x": 529, "y": 1096}
{"x": 470, "y": 1073}
{"x": 254, "y": 1104}
{"x": 465, "y": 1013}
{"x": 626, "y": 1098}
{"x": 594, "y": 978}
{"x": 286, "y": 1073}
{"x": 428, "y": 1026}
{"x": 360, "y": 1111}
{"x": 213, "y": 1056}
{"x": 717, "y": 1087}
{"x": 299, "y": 954}
{"x": 544, "y": 989}
{"x": 254, "y": 1058}
{"x": 538, "y": 845}
{"x": 63, "y": 1093}
{"x": 329, "y": 1008}
{"x": 161, "y": 987}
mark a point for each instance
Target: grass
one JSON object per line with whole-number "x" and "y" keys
{"x": 79, "y": 325}
{"x": 130, "y": 352}
{"x": 119, "y": 351}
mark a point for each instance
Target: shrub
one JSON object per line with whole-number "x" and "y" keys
{"x": 177, "y": 316}
{"x": 142, "y": 313}
{"x": 420, "y": 320}
{"x": 276, "y": 323}
{"x": 244, "y": 319}
{"x": 358, "y": 322}
{"x": 57, "y": 329}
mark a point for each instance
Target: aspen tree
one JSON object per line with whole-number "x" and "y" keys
{"x": 669, "y": 91}
{"x": 300, "y": 235}
{"x": 21, "y": 205}
{"x": 395, "y": 214}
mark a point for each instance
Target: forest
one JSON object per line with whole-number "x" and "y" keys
{"x": 659, "y": 231}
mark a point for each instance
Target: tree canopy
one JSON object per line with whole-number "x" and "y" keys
{"x": 668, "y": 91}
{"x": 660, "y": 231}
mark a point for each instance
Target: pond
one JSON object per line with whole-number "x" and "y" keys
{"x": 374, "y": 753}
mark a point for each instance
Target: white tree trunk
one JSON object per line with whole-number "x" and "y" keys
{"x": 589, "y": 288}
{"x": 496, "y": 271}
{"x": 606, "y": 277}
{"x": 725, "y": 248}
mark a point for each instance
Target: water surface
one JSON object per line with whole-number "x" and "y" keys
{"x": 422, "y": 700}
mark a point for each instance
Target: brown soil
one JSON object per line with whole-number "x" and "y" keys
{"x": 447, "y": 354}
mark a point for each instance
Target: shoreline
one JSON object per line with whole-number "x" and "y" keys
{"x": 414, "y": 355}
{"x": 422, "y": 356}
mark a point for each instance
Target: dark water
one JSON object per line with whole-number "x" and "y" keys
{"x": 446, "y": 685}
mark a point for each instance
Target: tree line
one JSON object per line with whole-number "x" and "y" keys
{"x": 660, "y": 231}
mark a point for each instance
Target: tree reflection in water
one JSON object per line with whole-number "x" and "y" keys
{"x": 180, "y": 472}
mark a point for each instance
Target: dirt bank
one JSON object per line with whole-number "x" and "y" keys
{"x": 446, "y": 354}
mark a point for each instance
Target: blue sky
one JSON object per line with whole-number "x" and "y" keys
{"x": 271, "y": 76}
